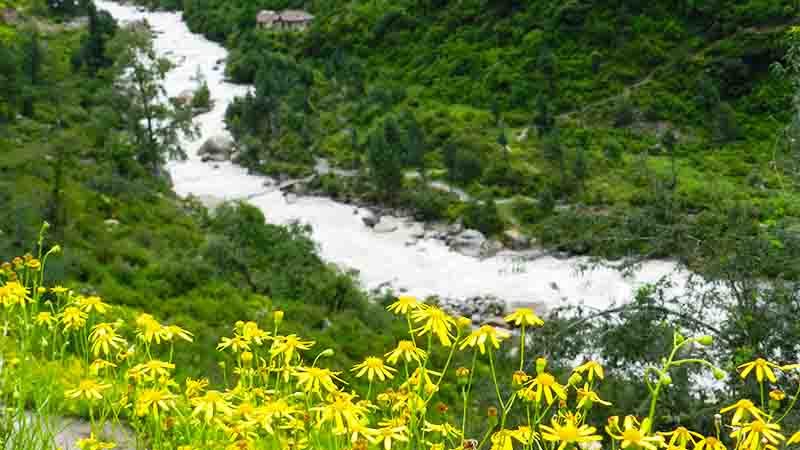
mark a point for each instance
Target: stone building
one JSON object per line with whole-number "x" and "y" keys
{"x": 287, "y": 20}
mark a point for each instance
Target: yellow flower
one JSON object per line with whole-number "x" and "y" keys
{"x": 93, "y": 303}
{"x": 525, "y": 435}
{"x": 567, "y": 431}
{"x": 13, "y": 293}
{"x": 149, "y": 329}
{"x": 437, "y": 322}
{"x": 151, "y": 369}
{"x": 524, "y": 317}
{"x": 752, "y": 434}
{"x": 88, "y": 389}
{"x": 544, "y": 385}
{"x": 681, "y": 436}
{"x": 388, "y": 435}
{"x": 777, "y": 395}
{"x": 794, "y": 439}
{"x": 45, "y": 318}
{"x": 591, "y": 369}
{"x": 519, "y": 378}
{"x": 587, "y": 397}
{"x": 311, "y": 379}
{"x": 373, "y": 366}
{"x": 73, "y": 318}
{"x": 288, "y": 345}
{"x": 236, "y": 343}
{"x": 195, "y": 387}
{"x": 502, "y": 440}
{"x": 58, "y": 290}
{"x": 709, "y": 443}
{"x": 404, "y": 304}
{"x": 445, "y": 429}
{"x": 252, "y": 333}
{"x": 743, "y": 408}
{"x": 100, "y": 364}
{"x": 150, "y": 401}
{"x": 482, "y": 334}
{"x": 406, "y": 350}
{"x": 633, "y": 434}
{"x": 343, "y": 414}
{"x": 170, "y": 332}
{"x": 211, "y": 403}
{"x": 92, "y": 443}
{"x": 762, "y": 368}
{"x": 423, "y": 375}
{"x": 103, "y": 338}
{"x": 34, "y": 264}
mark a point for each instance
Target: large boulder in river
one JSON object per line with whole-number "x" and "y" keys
{"x": 385, "y": 225}
{"x": 469, "y": 243}
{"x": 370, "y": 219}
{"x": 217, "y": 148}
{"x": 516, "y": 240}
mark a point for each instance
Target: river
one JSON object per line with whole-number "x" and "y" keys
{"x": 427, "y": 268}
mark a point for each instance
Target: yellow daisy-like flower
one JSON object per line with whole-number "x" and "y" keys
{"x": 73, "y": 318}
{"x": 436, "y": 322}
{"x": 45, "y": 318}
{"x": 372, "y": 367}
{"x": 404, "y": 304}
{"x": 503, "y": 440}
{"x": 709, "y": 443}
{"x": 524, "y": 317}
{"x": 406, "y": 350}
{"x": 58, "y": 290}
{"x": 762, "y": 369}
{"x": 151, "y": 401}
{"x": 92, "y": 443}
{"x": 544, "y": 385}
{"x": 211, "y": 403}
{"x": 591, "y": 369}
{"x": 151, "y": 369}
{"x": 743, "y": 408}
{"x": 587, "y": 397}
{"x": 343, "y": 413}
{"x": 632, "y": 434}
{"x": 237, "y": 344}
{"x": 752, "y": 434}
{"x": 104, "y": 338}
{"x": 681, "y": 436}
{"x": 149, "y": 329}
{"x": 100, "y": 364}
{"x": 170, "y": 332}
{"x": 388, "y": 435}
{"x": 92, "y": 303}
{"x": 195, "y": 387}
{"x": 483, "y": 334}
{"x": 445, "y": 429}
{"x": 288, "y": 346}
{"x": 567, "y": 431}
{"x": 312, "y": 379}
{"x": 88, "y": 389}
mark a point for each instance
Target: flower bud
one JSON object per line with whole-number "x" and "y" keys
{"x": 247, "y": 357}
{"x": 277, "y": 316}
{"x": 462, "y": 375}
{"x": 541, "y": 365}
{"x": 666, "y": 380}
{"x": 679, "y": 338}
{"x": 777, "y": 395}
{"x": 719, "y": 374}
{"x": 519, "y": 378}
{"x": 55, "y": 249}
{"x": 705, "y": 340}
{"x": 491, "y": 412}
{"x": 574, "y": 379}
{"x": 326, "y": 353}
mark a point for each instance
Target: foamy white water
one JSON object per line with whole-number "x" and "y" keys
{"x": 427, "y": 268}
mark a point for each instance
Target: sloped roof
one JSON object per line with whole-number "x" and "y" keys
{"x": 266, "y": 16}
{"x": 293, "y": 15}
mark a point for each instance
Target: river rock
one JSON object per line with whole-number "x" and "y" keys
{"x": 469, "y": 243}
{"x": 455, "y": 228}
{"x": 291, "y": 198}
{"x": 411, "y": 242}
{"x": 385, "y": 225}
{"x": 416, "y": 231}
{"x": 370, "y": 219}
{"x": 216, "y": 148}
{"x": 491, "y": 248}
{"x": 516, "y": 240}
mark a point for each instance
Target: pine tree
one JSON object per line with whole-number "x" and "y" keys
{"x": 31, "y": 68}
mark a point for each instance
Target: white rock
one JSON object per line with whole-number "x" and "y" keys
{"x": 385, "y": 225}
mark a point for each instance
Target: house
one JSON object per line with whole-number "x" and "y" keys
{"x": 287, "y": 20}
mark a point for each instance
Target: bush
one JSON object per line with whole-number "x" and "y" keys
{"x": 484, "y": 217}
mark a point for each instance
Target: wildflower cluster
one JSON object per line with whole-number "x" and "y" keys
{"x": 276, "y": 396}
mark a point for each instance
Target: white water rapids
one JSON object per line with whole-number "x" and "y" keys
{"x": 428, "y": 268}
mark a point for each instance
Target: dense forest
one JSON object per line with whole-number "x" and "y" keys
{"x": 612, "y": 128}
